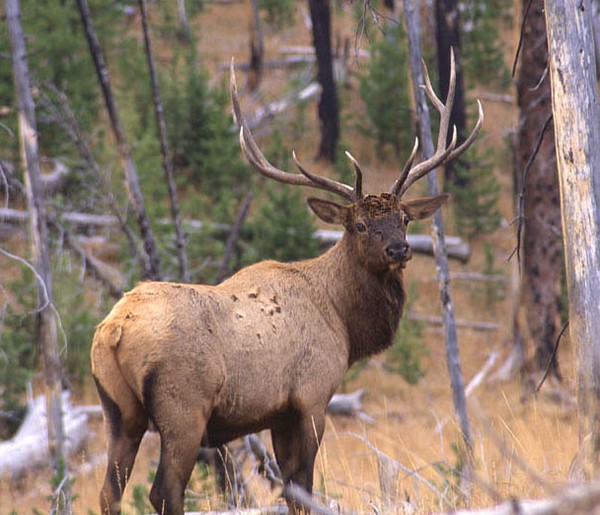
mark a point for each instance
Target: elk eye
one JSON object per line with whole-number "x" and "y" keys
{"x": 406, "y": 219}
{"x": 360, "y": 227}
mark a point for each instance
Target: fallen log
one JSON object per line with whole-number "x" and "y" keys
{"x": 349, "y": 405}
{"x": 464, "y": 324}
{"x": 269, "y": 111}
{"x": 420, "y": 243}
{"x": 28, "y": 448}
{"x": 15, "y": 216}
{"x": 287, "y": 62}
{"x": 310, "y": 50}
{"x": 581, "y": 499}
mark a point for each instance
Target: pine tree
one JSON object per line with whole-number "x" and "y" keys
{"x": 385, "y": 92}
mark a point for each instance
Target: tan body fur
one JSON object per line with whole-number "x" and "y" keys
{"x": 267, "y": 348}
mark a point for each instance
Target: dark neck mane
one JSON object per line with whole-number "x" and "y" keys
{"x": 369, "y": 303}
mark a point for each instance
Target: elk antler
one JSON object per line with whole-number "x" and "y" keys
{"x": 305, "y": 178}
{"x": 444, "y": 153}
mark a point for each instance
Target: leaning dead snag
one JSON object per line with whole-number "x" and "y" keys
{"x": 134, "y": 191}
{"x": 452, "y": 355}
{"x": 46, "y": 330}
{"x": 265, "y": 349}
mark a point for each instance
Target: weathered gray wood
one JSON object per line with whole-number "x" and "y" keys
{"x": 413, "y": 23}
{"x": 577, "y": 138}
{"x": 579, "y": 500}
{"x": 46, "y": 331}
{"x": 16, "y": 216}
{"x": 456, "y": 247}
{"x": 28, "y": 448}
{"x": 420, "y": 243}
{"x": 464, "y": 324}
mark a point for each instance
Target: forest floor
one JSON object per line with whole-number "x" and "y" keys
{"x": 524, "y": 443}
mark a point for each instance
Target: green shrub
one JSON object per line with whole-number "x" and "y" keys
{"x": 482, "y": 52}
{"x": 404, "y": 357}
{"x": 384, "y": 89}
{"x": 278, "y": 13}
{"x": 476, "y": 203}
{"x": 204, "y": 145}
{"x": 281, "y": 228}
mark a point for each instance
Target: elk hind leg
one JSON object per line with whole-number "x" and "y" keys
{"x": 126, "y": 423}
{"x": 181, "y": 432}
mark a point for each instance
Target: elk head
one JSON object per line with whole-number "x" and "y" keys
{"x": 376, "y": 224}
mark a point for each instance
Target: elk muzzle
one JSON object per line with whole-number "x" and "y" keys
{"x": 398, "y": 251}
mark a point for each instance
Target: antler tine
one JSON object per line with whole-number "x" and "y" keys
{"x": 261, "y": 164}
{"x": 324, "y": 183}
{"x": 467, "y": 143}
{"x": 402, "y": 178}
{"x": 444, "y": 153}
{"x": 358, "y": 173}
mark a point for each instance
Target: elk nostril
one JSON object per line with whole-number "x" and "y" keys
{"x": 397, "y": 251}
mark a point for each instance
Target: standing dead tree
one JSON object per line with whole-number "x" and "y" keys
{"x": 414, "y": 28}
{"x": 536, "y": 179}
{"x": 257, "y": 48}
{"x": 164, "y": 148}
{"x": 329, "y": 116}
{"x": 46, "y": 331}
{"x": 152, "y": 269}
{"x": 576, "y": 111}
{"x": 447, "y": 29}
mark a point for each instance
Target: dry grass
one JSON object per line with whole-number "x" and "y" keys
{"x": 523, "y": 444}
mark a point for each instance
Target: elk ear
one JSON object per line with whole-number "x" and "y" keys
{"x": 424, "y": 207}
{"x": 328, "y": 211}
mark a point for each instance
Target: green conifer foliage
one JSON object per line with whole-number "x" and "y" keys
{"x": 476, "y": 205}
{"x": 278, "y": 13}
{"x": 384, "y": 90}
{"x": 58, "y": 54}
{"x": 204, "y": 145}
{"x": 483, "y": 55}
{"x": 282, "y": 227}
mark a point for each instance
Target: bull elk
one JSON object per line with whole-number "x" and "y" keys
{"x": 268, "y": 347}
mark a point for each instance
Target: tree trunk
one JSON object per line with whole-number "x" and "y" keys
{"x": 183, "y": 21}
{"x": 164, "y": 149}
{"x": 46, "y": 334}
{"x": 133, "y": 185}
{"x": 413, "y": 23}
{"x": 542, "y": 244}
{"x": 448, "y": 37}
{"x": 257, "y": 49}
{"x": 320, "y": 14}
{"x": 577, "y": 139}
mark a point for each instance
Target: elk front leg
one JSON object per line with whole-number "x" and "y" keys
{"x": 296, "y": 445}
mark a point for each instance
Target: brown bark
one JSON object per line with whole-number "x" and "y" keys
{"x": 257, "y": 49}
{"x": 46, "y": 332}
{"x": 448, "y": 38}
{"x": 320, "y": 14}
{"x": 542, "y": 245}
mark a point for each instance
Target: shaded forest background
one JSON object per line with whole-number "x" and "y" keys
{"x": 407, "y": 388}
